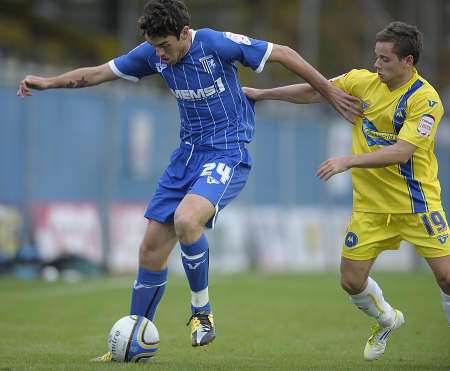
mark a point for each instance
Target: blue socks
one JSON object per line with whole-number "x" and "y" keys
{"x": 149, "y": 286}
{"x": 147, "y": 292}
{"x": 195, "y": 259}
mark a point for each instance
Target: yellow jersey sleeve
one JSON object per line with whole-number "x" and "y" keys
{"x": 422, "y": 119}
{"x": 348, "y": 81}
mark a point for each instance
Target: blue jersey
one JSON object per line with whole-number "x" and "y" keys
{"x": 213, "y": 109}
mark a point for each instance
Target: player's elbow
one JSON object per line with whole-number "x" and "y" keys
{"x": 281, "y": 53}
{"x": 287, "y": 50}
{"x": 404, "y": 157}
{"x": 100, "y": 74}
{"x": 403, "y": 151}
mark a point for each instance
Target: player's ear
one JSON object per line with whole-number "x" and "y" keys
{"x": 409, "y": 60}
{"x": 184, "y": 34}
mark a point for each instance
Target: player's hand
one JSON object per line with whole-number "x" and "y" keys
{"x": 31, "y": 82}
{"x": 347, "y": 105}
{"x": 333, "y": 166}
{"x": 252, "y": 93}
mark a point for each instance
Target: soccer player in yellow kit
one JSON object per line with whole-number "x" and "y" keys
{"x": 396, "y": 191}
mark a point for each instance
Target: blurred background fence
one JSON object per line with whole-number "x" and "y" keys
{"x": 78, "y": 167}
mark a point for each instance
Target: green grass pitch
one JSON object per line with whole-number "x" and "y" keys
{"x": 264, "y": 322}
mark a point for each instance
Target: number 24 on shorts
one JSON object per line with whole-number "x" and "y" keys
{"x": 434, "y": 219}
{"x": 221, "y": 169}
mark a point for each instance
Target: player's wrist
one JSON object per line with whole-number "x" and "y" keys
{"x": 50, "y": 83}
{"x": 352, "y": 161}
{"x": 258, "y": 94}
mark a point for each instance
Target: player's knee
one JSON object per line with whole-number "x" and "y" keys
{"x": 150, "y": 257}
{"x": 352, "y": 284}
{"x": 187, "y": 228}
{"x": 443, "y": 280}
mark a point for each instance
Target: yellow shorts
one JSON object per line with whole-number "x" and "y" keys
{"x": 370, "y": 233}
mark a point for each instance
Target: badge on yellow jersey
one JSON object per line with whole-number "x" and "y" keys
{"x": 425, "y": 126}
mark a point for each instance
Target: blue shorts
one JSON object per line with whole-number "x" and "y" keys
{"x": 217, "y": 175}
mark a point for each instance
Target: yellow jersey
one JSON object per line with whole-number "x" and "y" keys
{"x": 412, "y": 113}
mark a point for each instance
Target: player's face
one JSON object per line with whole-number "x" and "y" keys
{"x": 389, "y": 66}
{"x": 169, "y": 48}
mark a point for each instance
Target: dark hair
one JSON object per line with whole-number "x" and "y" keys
{"x": 162, "y": 18}
{"x": 407, "y": 39}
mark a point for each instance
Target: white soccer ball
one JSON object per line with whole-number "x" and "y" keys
{"x": 133, "y": 339}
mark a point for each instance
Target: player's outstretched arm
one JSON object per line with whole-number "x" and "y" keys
{"x": 79, "y": 78}
{"x": 298, "y": 94}
{"x": 398, "y": 153}
{"x": 347, "y": 105}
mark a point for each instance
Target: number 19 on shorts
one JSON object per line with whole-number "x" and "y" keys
{"x": 434, "y": 222}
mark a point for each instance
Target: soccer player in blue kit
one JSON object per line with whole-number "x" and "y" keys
{"x": 211, "y": 165}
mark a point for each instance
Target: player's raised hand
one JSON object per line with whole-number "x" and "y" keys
{"x": 31, "y": 82}
{"x": 347, "y": 105}
{"x": 252, "y": 93}
{"x": 333, "y": 166}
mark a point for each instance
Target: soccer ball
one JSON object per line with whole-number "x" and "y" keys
{"x": 133, "y": 339}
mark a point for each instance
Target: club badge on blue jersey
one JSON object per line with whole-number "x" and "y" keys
{"x": 208, "y": 63}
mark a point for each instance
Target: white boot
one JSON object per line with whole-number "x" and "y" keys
{"x": 376, "y": 344}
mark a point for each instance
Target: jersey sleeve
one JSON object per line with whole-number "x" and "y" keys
{"x": 249, "y": 52}
{"x": 422, "y": 119}
{"x": 345, "y": 82}
{"x": 134, "y": 65}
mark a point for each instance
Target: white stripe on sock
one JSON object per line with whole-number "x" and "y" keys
{"x": 193, "y": 257}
